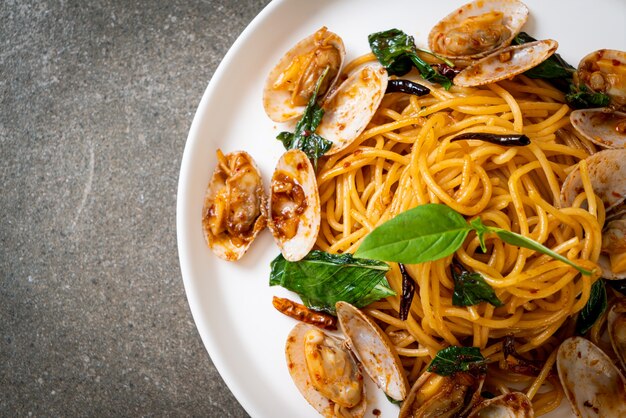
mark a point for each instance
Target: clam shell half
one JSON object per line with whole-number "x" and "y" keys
{"x": 592, "y": 383}
{"x": 234, "y": 209}
{"x": 351, "y": 107}
{"x": 506, "y": 63}
{"x": 509, "y": 405}
{"x": 607, "y": 173}
{"x": 601, "y": 126}
{"x": 298, "y": 70}
{"x": 616, "y": 321}
{"x": 478, "y": 28}
{"x": 298, "y": 369}
{"x": 374, "y": 350}
{"x": 294, "y": 206}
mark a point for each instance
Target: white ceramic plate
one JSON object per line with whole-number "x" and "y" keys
{"x": 232, "y": 302}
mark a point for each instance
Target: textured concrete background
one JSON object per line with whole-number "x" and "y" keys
{"x": 97, "y": 99}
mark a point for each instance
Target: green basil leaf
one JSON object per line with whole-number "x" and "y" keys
{"x": 582, "y": 98}
{"x": 424, "y": 233}
{"x": 593, "y": 309}
{"x": 456, "y": 359}
{"x": 471, "y": 288}
{"x": 322, "y": 279}
{"x": 396, "y": 51}
{"x": 521, "y": 241}
{"x": 304, "y": 137}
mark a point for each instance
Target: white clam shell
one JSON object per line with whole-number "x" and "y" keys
{"x": 592, "y": 383}
{"x": 492, "y": 68}
{"x": 277, "y": 102}
{"x": 601, "y": 126}
{"x": 224, "y": 244}
{"x": 509, "y": 405}
{"x": 374, "y": 350}
{"x": 352, "y": 105}
{"x": 607, "y": 173}
{"x": 296, "y": 362}
{"x": 296, "y": 165}
{"x": 616, "y": 321}
{"x": 515, "y": 15}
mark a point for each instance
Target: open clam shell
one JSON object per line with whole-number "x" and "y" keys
{"x": 603, "y": 127}
{"x": 506, "y": 63}
{"x": 509, "y": 405}
{"x": 616, "y": 321}
{"x": 604, "y": 71}
{"x": 294, "y": 206}
{"x": 303, "y": 340}
{"x": 442, "y": 396}
{"x": 374, "y": 350}
{"x": 291, "y": 82}
{"x": 613, "y": 257}
{"x": 607, "y": 173}
{"x": 352, "y": 105}
{"x": 592, "y": 383}
{"x": 234, "y": 209}
{"x": 478, "y": 28}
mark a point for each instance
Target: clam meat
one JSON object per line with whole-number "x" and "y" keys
{"x": 291, "y": 83}
{"x": 325, "y": 372}
{"x": 294, "y": 207}
{"x": 604, "y": 71}
{"x": 234, "y": 206}
{"x": 433, "y": 395}
{"x": 478, "y": 28}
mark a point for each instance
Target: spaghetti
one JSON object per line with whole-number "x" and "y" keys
{"x": 406, "y": 158}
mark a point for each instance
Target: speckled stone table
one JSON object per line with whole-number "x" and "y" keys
{"x": 97, "y": 99}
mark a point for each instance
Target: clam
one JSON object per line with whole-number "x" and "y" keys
{"x": 613, "y": 256}
{"x": 509, "y": 405}
{"x": 433, "y": 395}
{"x": 505, "y": 63}
{"x": 592, "y": 383}
{"x": 234, "y": 205}
{"x": 352, "y": 105}
{"x": 607, "y": 172}
{"x": 478, "y": 28}
{"x": 294, "y": 206}
{"x": 603, "y": 127}
{"x": 616, "y": 321}
{"x": 292, "y": 81}
{"x": 604, "y": 71}
{"x": 374, "y": 350}
{"x": 325, "y": 372}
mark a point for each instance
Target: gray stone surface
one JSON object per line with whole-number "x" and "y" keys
{"x": 97, "y": 99}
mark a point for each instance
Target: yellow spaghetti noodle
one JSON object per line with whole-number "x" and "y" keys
{"x": 405, "y": 158}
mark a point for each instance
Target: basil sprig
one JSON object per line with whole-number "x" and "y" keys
{"x": 304, "y": 137}
{"x": 433, "y": 231}
{"x": 322, "y": 279}
{"x": 456, "y": 359}
{"x": 396, "y": 51}
{"x": 593, "y": 309}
